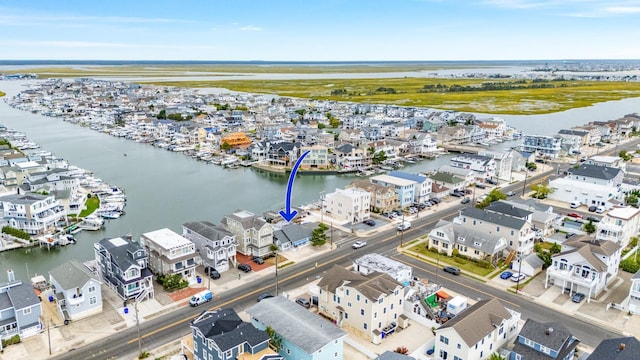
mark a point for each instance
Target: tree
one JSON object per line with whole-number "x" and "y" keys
{"x": 318, "y": 235}
{"x": 555, "y": 248}
{"x": 225, "y": 146}
{"x": 162, "y": 114}
{"x": 541, "y": 191}
{"x": 379, "y": 157}
{"x": 276, "y": 340}
{"x": 334, "y": 122}
{"x": 492, "y": 196}
{"x": 401, "y": 350}
{"x": 496, "y": 356}
{"x": 589, "y": 227}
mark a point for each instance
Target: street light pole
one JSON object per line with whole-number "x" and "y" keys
{"x": 276, "y": 273}
{"x": 524, "y": 186}
{"x": 321, "y": 207}
{"x": 519, "y": 274}
{"x": 402, "y": 231}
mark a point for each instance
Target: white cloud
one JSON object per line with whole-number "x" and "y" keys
{"x": 91, "y": 44}
{"x": 250, "y": 28}
{"x": 623, "y": 9}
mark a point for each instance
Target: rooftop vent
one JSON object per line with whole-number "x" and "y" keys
{"x": 549, "y": 331}
{"x": 621, "y": 347}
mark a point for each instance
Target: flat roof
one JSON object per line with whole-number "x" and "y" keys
{"x": 624, "y": 213}
{"x": 167, "y": 239}
{"x": 393, "y": 180}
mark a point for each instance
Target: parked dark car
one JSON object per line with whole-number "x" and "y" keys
{"x": 592, "y": 208}
{"x": 244, "y": 267}
{"x": 214, "y": 274}
{"x": 257, "y": 259}
{"x": 592, "y": 218}
{"x": 435, "y": 200}
{"x": 492, "y": 181}
{"x": 303, "y": 302}
{"x": 370, "y": 222}
{"x": 578, "y": 297}
{"x": 452, "y": 270}
{"x": 569, "y": 235}
{"x": 466, "y": 200}
{"x": 264, "y": 296}
{"x": 480, "y": 186}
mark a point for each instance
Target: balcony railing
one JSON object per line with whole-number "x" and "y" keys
{"x": 570, "y": 275}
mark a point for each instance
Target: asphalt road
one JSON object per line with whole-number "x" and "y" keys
{"x": 171, "y": 326}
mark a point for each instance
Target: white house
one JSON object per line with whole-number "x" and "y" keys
{"x": 216, "y": 246}
{"x": 619, "y": 225}
{"x": 503, "y": 160}
{"x": 484, "y": 166}
{"x": 477, "y": 332}
{"x": 349, "y": 205}
{"x": 634, "y": 294}
{"x": 77, "y": 291}
{"x": 585, "y": 266}
{"x": 31, "y": 212}
{"x": 170, "y": 253}
{"x": 422, "y": 187}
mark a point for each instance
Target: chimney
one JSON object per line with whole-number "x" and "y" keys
{"x": 549, "y": 331}
{"x": 10, "y": 275}
{"x": 621, "y": 347}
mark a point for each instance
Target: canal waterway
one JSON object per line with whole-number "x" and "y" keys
{"x": 166, "y": 189}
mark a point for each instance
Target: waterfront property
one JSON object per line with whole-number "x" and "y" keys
{"x": 222, "y": 335}
{"x": 304, "y": 335}
{"x": 170, "y": 253}
{"x": 348, "y": 206}
{"x": 123, "y": 265}
{"x": 254, "y": 235}
{"x": 20, "y": 309}
{"x": 405, "y": 189}
{"x": 76, "y": 290}
{"x": 549, "y": 146}
{"x": 32, "y": 213}
{"x": 292, "y": 235}
{"x": 383, "y": 198}
{"x": 366, "y": 304}
{"x": 216, "y": 246}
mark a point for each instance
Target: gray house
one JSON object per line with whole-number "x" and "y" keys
{"x": 216, "y": 246}
{"x": 292, "y": 235}
{"x": 20, "y": 309}
{"x": 123, "y": 265}
{"x": 77, "y": 291}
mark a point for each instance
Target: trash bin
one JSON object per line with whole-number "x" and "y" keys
{"x": 126, "y": 310}
{"x": 50, "y": 298}
{"x": 199, "y": 279}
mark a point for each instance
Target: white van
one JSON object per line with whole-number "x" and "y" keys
{"x": 404, "y": 226}
{"x": 201, "y": 298}
{"x": 575, "y": 204}
{"x": 600, "y": 209}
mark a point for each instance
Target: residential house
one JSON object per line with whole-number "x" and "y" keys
{"x": 237, "y": 140}
{"x": 504, "y": 163}
{"x": 122, "y": 264}
{"x": 170, "y": 253}
{"x": 589, "y": 184}
{"x": 543, "y": 219}
{"x": 20, "y": 309}
{"x": 619, "y": 225}
{"x": 453, "y": 177}
{"x": 615, "y": 162}
{"x": 351, "y": 136}
{"x": 392, "y": 355}
{"x": 477, "y": 332}
{"x": 520, "y": 160}
{"x": 623, "y": 348}
{"x": 432, "y": 124}
{"x": 349, "y": 157}
{"x": 517, "y": 231}
{"x": 423, "y": 144}
{"x": 349, "y": 205}
{"x": 32, "y": 213}
{"x": 573, "y": 140}
{"x": 405, "y": 189}
{"x": 364, "y": 303}
{"x": 484, "y": 166}
{"x": 76, "y": 290}
{"x": 466, "y": 240}
{"x": 454, "y": 135}
{"x": 585, "y": 266}
{"x": 548, "y": 146}
{"x": 544, "y": 341}
{"x": 222, "y": 335}
{"x": 318, "y": 157}
{"x": 634, "y": 294}
{"x": 594, "y": 134}
{"x": 422, "y": 187}
{"x": 304, "y": 335}
{"x": 292, "y": 235}
{"x": 372, "y": 262}
{"x": 216, "y": 245}
{"x": 283, "y": 153}
{"x": 254, "y": 235}
{"x": 383, "y": 198}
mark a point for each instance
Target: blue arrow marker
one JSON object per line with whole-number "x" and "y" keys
{"x": 287, "y": 214}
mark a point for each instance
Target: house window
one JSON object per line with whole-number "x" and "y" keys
{"x": 443, "y": 354}
{"x": 435, "y": 242}
{"x": 349, "y": 304}
{"x": 459, "y": 346}
{"x": 364, "y": 325}
{"x": 92, "y": 288}
{"x": 512, "y": 232}
{"x": 362, "y": 312}
{"x": 358, "y": 297}
{"x": 476, "y": 252}
{"x": 444, "y": 340}
{"x": 228, "y": 353}
{"x": 380, "y": 300}
{"x": 26, "y": 311}
{"x": 346, "y": 315}
{"x": 375, "y": 314}
{"x": 347, "y": 292}
{"x": 497, "y": 228}
{"x": 457, "y": 358}
{"x": 93, "y": 300}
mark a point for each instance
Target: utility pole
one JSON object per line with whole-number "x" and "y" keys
{"x": 49, "y": 334}
{"x": 519, "y": 273}
{"x": 321, "y": 207}
{"x": 135, "y": 306}
{"x": 402, "y": 231}
{"x": 524, "y": 186}
{"x": 331, "y": 237}
{"x": 276, "y": 273}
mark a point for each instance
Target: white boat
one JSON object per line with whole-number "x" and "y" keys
{"x": 91, "y": 223}
{"x": 111, "y": 214}
{"x": 229, "y": 160}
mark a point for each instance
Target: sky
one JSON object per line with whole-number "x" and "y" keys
{"x": 314, "y": 30}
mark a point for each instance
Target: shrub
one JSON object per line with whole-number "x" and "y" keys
{"x": 630, "y": 266}
{"x": 633, "y": 242}
{"x": 15, "y": 339}
{"x": 16, "y": 232}
{"x": 172, "y": 282}
{"x": 455, "y": 252}
{"x": 460, "y": 260}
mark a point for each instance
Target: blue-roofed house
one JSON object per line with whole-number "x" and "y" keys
{"x": 292, "y": 235}
{"x": 422, "y": 187}
{"x": 222, "y": 335}
{"x": 20, "y": 309}
{"x": 305, "y": 335}
{"x": 544, "y": 341}
{"x": 76, "y": 290}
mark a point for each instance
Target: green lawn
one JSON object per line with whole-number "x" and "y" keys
{"x": 2, "y": 94}
{"x": 91, "y": 205}
{"x": 468, "y": 265}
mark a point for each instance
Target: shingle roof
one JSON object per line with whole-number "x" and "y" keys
{"x": 552, "y": 335}
{"x": 407, "y": 176}
{"x": 488, "y": 243}
{"x": 5, "y": 302}
{"x": 372, "y": 286}
{"x": 23, "y": 296}
{"x": 478, "y": 320}
{"x": 390, "y": 355}
{"x": 595, "y": 171}
{"x": 636, "y": 275}
{"x": 71, "y": 274}
{"x": 625, "y": 348}
{"x": 207, "y": 229}
{"x": 296, "y": 324}
{"x": 292, "y": 233}
{"x": 446, "y": 178}
{"x": 508, "y": 209}
{"x": 227, "y": 330}
{"x": 492, "y": 217}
